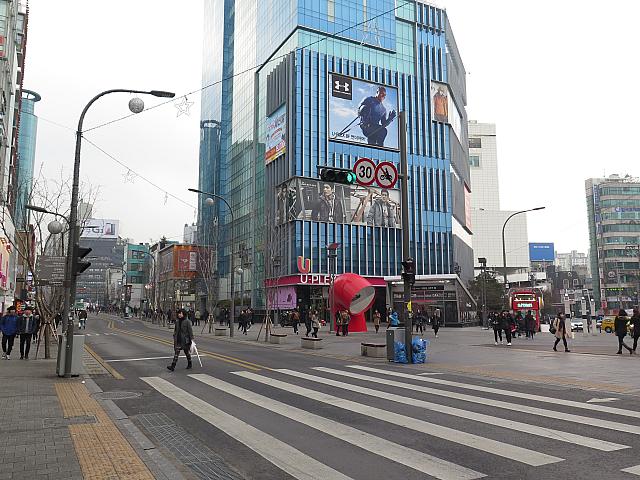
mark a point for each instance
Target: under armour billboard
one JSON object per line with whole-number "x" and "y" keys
{"x": 362, "y": 112}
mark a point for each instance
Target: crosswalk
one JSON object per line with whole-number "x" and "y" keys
{"x": 98, "y": 334}
{"x": 394, "y": 424}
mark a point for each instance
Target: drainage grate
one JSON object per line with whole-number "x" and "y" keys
{"x": 204, "y": 463}
{"x": 65, "y": 422}
{"x": 116, "y": 395}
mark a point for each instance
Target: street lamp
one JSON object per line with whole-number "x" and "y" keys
{"x": 233, "y": 239}
{"x": 70, "y": 277}
{"x": 332, "y": 264}
{"x": 483, "y": 272}
{"x": 54, "y": 226}
{"x": 504, "y": 251}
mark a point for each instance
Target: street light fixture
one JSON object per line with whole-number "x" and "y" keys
{"x": 74, "y": 234}
{"x": 209, "y": 202}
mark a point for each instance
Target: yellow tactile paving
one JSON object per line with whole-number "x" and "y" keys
{"x": 102, "y": 450}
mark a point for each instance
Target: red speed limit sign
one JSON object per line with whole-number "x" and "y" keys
{"x": 365, "y": 170}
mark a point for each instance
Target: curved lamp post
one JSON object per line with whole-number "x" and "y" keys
{"x": 70, "y": 278}
{"x": 504, "y": 251}
{"x": 231, "y": 270}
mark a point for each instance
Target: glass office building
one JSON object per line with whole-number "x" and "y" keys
{"x": 26, "y": 155}
{"x": 291, "y": 85}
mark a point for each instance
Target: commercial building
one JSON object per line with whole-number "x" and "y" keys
{"x": 26, "y": 155}
{"x": 332, "y": 77}
{"x": 178, "y": 272}
{"x": 571, "y": 260}
{"x": 138, "y": 262}
{"x": 487, "y": 217}
{"x": 613, "y": 209}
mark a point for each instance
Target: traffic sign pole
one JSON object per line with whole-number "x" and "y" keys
{"x": 408, "y": 324}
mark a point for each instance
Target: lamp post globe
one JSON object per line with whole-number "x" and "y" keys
{"x": 54, "y": 227}
{"x": 136, "y": 105}
{"x": 209, "y": 202}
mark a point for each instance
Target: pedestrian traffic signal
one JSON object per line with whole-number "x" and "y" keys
{"x": 79, "y": 253}
{"x": 337, "y": 175}
{"x": 409, "y": 271}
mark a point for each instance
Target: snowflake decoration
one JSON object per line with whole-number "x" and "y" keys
{"x": 183, "y": 106}
{"x": 129, "y": 177}
{"x": 166, "y": 197}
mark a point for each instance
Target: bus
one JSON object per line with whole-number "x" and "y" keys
{"x": 525, "y": 299}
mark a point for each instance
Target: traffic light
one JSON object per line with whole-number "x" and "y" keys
{"x": 79, "y": 253}
{"x": 409, "y": 271}
{"x": 337, "y": 175}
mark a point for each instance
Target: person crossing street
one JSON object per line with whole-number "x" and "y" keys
{"x": 182, "y": 338}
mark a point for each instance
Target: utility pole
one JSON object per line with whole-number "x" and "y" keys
{"x": 483, "y": 272}
{"x": 406, "y": 250}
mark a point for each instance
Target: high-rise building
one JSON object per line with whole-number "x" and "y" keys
{"x": 613, "y": 209}
{"x": 330, "y": 80}
{"x": 568, "y": 261}
{"x": 138, "y": 262}
{"x": 487, "y": 217}
{"x": 26, "y": 156}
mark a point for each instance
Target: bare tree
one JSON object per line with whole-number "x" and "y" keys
{"x": 208, "y": 268}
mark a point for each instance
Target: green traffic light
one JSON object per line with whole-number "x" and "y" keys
{"x": 351, "y": 178}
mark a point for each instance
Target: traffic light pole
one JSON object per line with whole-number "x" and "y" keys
{"x": 404, "y": 183}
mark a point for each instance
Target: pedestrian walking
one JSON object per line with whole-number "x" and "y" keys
{"x": 338, "y": 323}
{"x": 561, "y": 333}
{"x": 27, "y": 327}
{"x": 198, "y": 316}
{"x": 315, "y": 323}
{"x": 295, "y": 319}
{"x": 530, "y": 324}
{"x": 9, "y": 328}
{"x": 420, "y": 322}
{"x": 82, "y": 319}
{"x": 346, "y": 318}
{"x": 376, "y": 320}
{"x": 635, "y": 323}
{"x": 306, "y": 317}
{"x": 506, "y": 324}
{"x": 36, "y": 316}
{"x": 435, "y": 321}
{"x": 393, "y": 319}
{"x": 182, "y": 338}
{"x": 242, "y": 322}
{"x": 494, "y": 321}
{"x": 620, "y": 326}
{"x": 520, "y": 324}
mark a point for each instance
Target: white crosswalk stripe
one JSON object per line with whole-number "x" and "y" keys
{"x": 414, "y": 459}
{"x": 479, "y": 417}
{"x": 548, "y": 413}
{"x": 353, "y": 413}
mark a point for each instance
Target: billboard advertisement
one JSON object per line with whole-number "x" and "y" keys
{"x": 187, "y": 260}
{"x": 311, "y": 199}
{"x": 443, "y": 108}
{"x": 542, "y": 252}
{"x": 362, "y": 112}
{"x": 284, "y": 298}
{"x": 99, "y": 228}
{"x": 276, "y": 144}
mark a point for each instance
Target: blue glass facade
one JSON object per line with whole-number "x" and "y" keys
{"x": 26, "y": 156}
{"x": 407, "y": 48}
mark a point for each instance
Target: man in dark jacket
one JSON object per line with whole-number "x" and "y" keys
{"x": 27, "y": 326}
{"x": 635, "y": 321}
{"x": 530, "y": 324}
{"x": 9, "y": 328}
{"x": 620, "y": 326}
{"x": 182, "y": 337}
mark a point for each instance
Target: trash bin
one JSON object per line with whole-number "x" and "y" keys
{"x": 394, "y": 334}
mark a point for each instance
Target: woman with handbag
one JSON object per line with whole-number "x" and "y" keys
{"x": 182, "y": 337}
{"x": 560, "y": 330}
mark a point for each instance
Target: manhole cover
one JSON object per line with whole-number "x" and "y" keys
{"x": 116, "y": 395}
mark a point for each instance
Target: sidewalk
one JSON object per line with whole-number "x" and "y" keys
{"x": 53, "y": 428}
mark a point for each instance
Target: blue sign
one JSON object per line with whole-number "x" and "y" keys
{"x": 541, "y": 252}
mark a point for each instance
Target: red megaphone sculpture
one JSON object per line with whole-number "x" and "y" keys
{"x": 356, "y": 294}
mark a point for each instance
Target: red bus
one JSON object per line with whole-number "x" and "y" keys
{"x": 525, "y": 299}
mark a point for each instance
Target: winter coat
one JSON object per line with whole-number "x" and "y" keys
{"x": 635, "y": 321}
{"x": 9, "y": 324}
{"x": 562, "y": 327}
{"x": 393, "y": 319}
{"x": 530, "y": 322}
{"x": 186, "y": 334}
{"x": 620, "y": 326}
{"x": 28, "y": 324}
{"x": 376, "y": 318}
{"x": 315, "y": 320}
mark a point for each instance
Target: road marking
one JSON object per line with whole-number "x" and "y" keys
{"x": 217, "y": 356}
{"x": 501, "y": 449}
{"x": 136, "y": 359}
{"x": 601, "y": 400}
{"x": 429, "y": 373}
{"x": 632, "y": 470}
{"x": 457, "y": 412}
{"x": 114, "y": 373}
{"x": 508, "y": 393}
{"x": 549, "y": 412}
{"x": 414, "y": 459}
{"x": 287, "y": 458}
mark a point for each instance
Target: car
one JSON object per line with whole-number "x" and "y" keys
{"x": 577, "y": 326}
{"x": 607, "y": 324}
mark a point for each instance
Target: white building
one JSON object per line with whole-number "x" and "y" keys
{"x": 190, "y": 232}
{"x": 567, "y": 261}
{"x": 487, "y": 217}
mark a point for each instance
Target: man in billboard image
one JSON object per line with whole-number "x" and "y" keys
{"x": 374, "y": 119}
{"x": 441, "y": 105}
{"x": 328, "y": 208}
{"x": 382, "y": 212}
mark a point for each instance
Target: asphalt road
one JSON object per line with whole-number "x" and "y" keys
{"x": 242, "y": 416}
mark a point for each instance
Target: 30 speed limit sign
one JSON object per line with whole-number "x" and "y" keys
{"x": 365, "y": 170}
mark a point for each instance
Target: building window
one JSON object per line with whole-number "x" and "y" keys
{"x": 475, "y": 142}
{"x": 474, "y": 160}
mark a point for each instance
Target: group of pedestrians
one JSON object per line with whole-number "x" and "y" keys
{"x": 622, "y": 324}
{"x": 505, "y": 322}
{"x": 422, "y": 318}
{"x": 25, "y": 325}
{"x": 245, "y": 320}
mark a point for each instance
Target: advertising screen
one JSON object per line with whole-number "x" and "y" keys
{"x": 311, "y": 199}
{"x": 99, "y": 228}
{"x": 362, "y": 112}
{"x": 276, "y": 134}
{"x": 443, "y": 108}
{"x": 542, "y": 252}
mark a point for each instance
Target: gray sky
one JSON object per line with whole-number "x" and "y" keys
{"x": 536, "y": 69}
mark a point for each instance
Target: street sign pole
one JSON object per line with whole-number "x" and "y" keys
{"x": 404, "y": 178}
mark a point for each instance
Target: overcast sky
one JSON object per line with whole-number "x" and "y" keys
{"x": 558, "y": 78}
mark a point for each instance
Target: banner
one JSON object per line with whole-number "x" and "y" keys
{"x": 99, "y": 228}
{"x": 311, "y": 199}
{"x": 443, "y": 108}
{"x": 362, "y": 112}
{"x": 275, "y": 144}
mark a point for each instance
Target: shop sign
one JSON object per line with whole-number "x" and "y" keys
{"x": 315, "y": 279}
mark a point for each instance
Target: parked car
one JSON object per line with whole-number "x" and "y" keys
{"x": 608, "y": 324}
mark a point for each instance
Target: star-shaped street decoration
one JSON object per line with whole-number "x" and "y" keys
{"x": 183, "y": 106}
